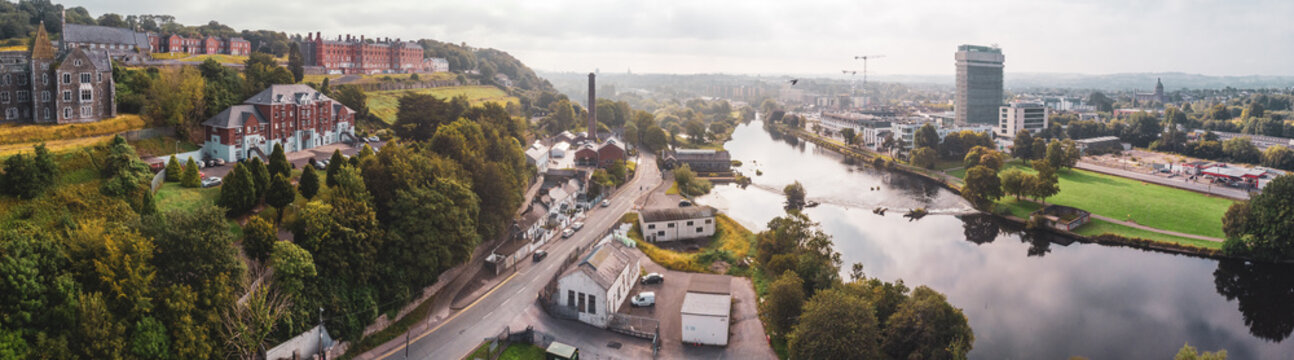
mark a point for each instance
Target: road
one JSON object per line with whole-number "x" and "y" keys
{"x": 464, "y": 330}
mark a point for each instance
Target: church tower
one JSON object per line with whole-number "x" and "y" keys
{"x": 1159, "y": 90}
{"x": 43, "y": 83}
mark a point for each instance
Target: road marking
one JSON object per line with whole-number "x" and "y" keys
{"x": 451, "y": 318}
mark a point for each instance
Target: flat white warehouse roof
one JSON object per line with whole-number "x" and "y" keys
{"x": 707, "y": 304}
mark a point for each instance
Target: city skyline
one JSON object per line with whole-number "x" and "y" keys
{"x": 817, "y": 37}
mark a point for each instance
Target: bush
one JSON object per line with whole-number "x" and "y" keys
{"x": 191, "y": 178}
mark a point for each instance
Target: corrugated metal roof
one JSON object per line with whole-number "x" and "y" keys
{"x": 707, "y": 304}
{"x": 672, "y": 214}
{"x": 710, "y": 284}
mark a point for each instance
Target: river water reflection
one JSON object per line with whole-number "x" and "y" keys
{"x": 1027, "y": 296}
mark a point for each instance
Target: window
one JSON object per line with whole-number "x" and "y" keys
{"x": 22, "y": 95}
{"x": 22, "y": 79}
{"x": 593, "y": 304}
{"x": 44, "y": 95}
{"x": 67, "y": 113}
{"x": 78, "y": 62}
{"x": 46, "y": 113}
{"x": 660, "y": 233}
{"x": 699, "y": 229}
{"x": 85, "y": 78}
{"x": 67, "y": 95}
{"x": 570, "y": 298}
{"x": 6, "y": 80}
{"x": 67, "y": 78}
{"x": 87, "y": 95}
{"x": 44, "y": 79}
{"x": 11, "y": 113}
{"x": 100, "y": 77}
{"x": 689, "y": 223}
{"x": 671, "y": 225}
{"x": 87, "y": 110}
{"x": 4, "y": 97}
{"x": 215, "y": 139}
{"x": 708, "y": 221}
{"x": 581, "y": 307}
{"x": 651, "y": 226}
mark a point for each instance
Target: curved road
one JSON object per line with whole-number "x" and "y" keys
{"x": 463, "y": 331}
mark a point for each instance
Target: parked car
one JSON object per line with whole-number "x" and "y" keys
{"x": 684, "y": 203}
{"x": 577, "y": 225}
{"x": 644, "y": 299}
{"x": 220, "y": 162}
{"x": 567, "y": 233}
{"x": 211, "y": 182}
{"x": 606, "y": 203}
{"x": 653, "y": 278}
{"x": 539, "y": 255}
{"x": 321, "y": 165}
{"x": 373, "y": 138}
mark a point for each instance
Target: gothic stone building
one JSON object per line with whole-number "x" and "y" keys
{"x": 44, "y": 86}
{"x": 297, "y": 116}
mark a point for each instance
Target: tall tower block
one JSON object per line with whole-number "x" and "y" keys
{"x": 593, "y": 108}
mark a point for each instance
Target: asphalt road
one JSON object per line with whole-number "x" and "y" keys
{"x": 1202, "y": 186}
{"x": 464, "y": 330}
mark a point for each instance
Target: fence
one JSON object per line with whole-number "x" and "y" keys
{"x": 158, "y": 179}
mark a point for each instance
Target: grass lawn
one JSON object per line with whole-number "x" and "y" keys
{"x": 375, "y": 78}
{"x": 673, "y": 189}
{"x": 1098, "y": 227}
{"x": 384, "y": 104}
{"x": 521, "y": 351}
{"x": 172, "y": 196}
{"x": 1152, "y": 205}
{"x": 162, "y": 146}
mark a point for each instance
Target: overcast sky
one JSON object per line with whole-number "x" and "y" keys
{"x": 1213, "y": 37}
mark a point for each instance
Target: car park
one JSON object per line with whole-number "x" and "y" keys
{"x": 538, "y": 255}
{"x": 643, "y": 299}
{"x": 211, "y": 182}
{"x": 653, "y": 278}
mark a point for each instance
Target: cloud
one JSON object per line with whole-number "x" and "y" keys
{"x": 815, "y": 36}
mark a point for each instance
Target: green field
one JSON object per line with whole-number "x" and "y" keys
{"x": 384, "y": 104}
{"x": 172, "y": 196}
{"x": 1151, "y": 205}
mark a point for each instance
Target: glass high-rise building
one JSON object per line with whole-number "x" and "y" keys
{"x": 979, "y": 84}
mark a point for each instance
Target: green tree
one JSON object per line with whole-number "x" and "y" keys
{"x": 982, "y": 187}
{"x": 695, "y": 131}
{"x": 125, "y": 272}
{"x": 432, "y": 230}
{"x": 190, "y": 178}
{"x": 296, "y": 63}
{"x": 1241, "y": 149}
{"x": 1254, "y": 110}
{"x": 293, "y": 267}
{"x": 688, "y": 183}
{"x": 618, "y": 171}
{"x": 308, "y": 185}
{"x": 193, "y": 247}
{"x": 1045, "y": 183}
{"x": 238, "y": 194}
{"x": 418, "y": 116}
{"x": 923, "y": 157}
{"x": 125, "y": 176}
{"x": 926, "y": 137}
{"x": 176, "y": 98}
{"x": 1022, "y": 145}
{"x": 12, "y": 345}
{"x": 36, "y": 292}
{"x": 849, "y": 136}
{"x": 836, "y": 325}
{"x": 1261, "y": 228}
{"x": 148, "y": 340}
{"x": 980, "y": 155}
{"x": 173, "y": 170}
{"x": 342, "y": 233}
{"x": 1279, "y": 157}
{"x": 98, "y": 335}
{"x": 784, "y": 302}
{"x": 927, "y": 327}
{"x": 334, "y": 166}
{"x": 224, "y": 86}
{"x": 280, "y": 195}
{"x": 1189, "y": 352}
{"x": 1142, "y": 129}
{"x": 259, "y": 237}
{"x": 1056, "y": 153}
{"x": 794, "y": 194}
{"x": 801, "y": 246}
{"x": 353, "y": 97}
{"x": 279, "y": 162}
{"x": 1015, "y": 182}
{"x": 188, "y": 325}
{"x": 1039, "y": 149}
{"x": 260, "y": 177}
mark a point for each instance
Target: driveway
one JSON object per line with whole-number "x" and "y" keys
{"x": 301, "y": 158}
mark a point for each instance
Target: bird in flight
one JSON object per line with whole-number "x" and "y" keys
{"x": 793, "y": 81}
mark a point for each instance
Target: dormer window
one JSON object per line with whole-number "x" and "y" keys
{"x": 78, "y": 62}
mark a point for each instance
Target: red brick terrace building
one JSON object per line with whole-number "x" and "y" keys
{"x": 357, "y": 55}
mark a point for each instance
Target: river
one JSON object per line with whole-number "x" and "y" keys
{"x": 1027, "y": 296}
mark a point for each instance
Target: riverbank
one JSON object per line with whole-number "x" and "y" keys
{"x": 1111, "y": 233}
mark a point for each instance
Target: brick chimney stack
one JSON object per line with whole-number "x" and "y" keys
{"x": 593, "y": 108}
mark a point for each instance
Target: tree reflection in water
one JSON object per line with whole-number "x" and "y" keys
{"x": 1265, "y": 293}
{"x": 979, "y": 228}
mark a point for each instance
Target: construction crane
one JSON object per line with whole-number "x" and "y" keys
{"x": 864, "y": 58}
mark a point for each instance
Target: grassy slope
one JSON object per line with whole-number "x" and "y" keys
{"x": 34, "y": 133}
{"x": 374, "y": 78}
{"x": 384, "y": 104}
{"x": 1152, "y": 205}
{"x": 730, "y": 238}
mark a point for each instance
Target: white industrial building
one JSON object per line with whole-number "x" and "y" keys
{"x": 1021, "y": 116}
{"x": 597, "y": 286}
{"x": 677, "y": 223}
{"x": 707, "y": 307}
{"x": 537, "y": 155}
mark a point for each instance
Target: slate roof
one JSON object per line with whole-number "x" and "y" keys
{"x": 233, "y": 117}
{"x": 710, "y": 284}
{"x": 298, "y": 94}
{"x": 104, "y": 35}
{"x": 99, "y": 58}
{"x": 673, "y": 214}
{"x": 604, "y": 263}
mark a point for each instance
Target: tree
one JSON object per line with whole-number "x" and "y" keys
{"x": 982, "y": 187}
{"x": 259, "y": 237}
{"x": 1261, "y": 228}
{"x": 1015, "y": 182}
{"x": 29, "y": 176}
{"x": 784, "y": 302}
{"x": 836, "y": 325}
{"x": 280, "y": 195}
{"x": 296, "y": 63}
{"x": 176, "y": 98}
{"x": 190, "y": 179}
{"x": 148, "y": 340}
{"x": 927, "y": 327}
{"x": 173, "y": 170}
{"x": 1241, "y": 149}
{"x": 618, "y": 171}
{"x": 980, "y": 155}
{"x": 433, "y": 228}
{"x": 688, "y": 183}
{"x": 193, "y": 247}
{"x": 794, "y": 195}
{"x": 238, "y": 194}
{"x": 334, "y": 166}
{"x": 98, "y": 334}
{"x": 1279, "y": 157}
{"x": 112, "y": 20}
{"x": 1022, "y": 145}
{"x": 124, "y": 271}
{"x": 849, "y": 135}
{"x": 1060, "y": 154}
{"x": 695, "y": 131}
{"x": 1254, "y": 110}
{"x": 247, "y": 324}
{"x": 279, "y": 162}
{"x": 793, "y": 242}
{"x": 260, "y": 178}
{"x": 293, "y": 266}
{"x": 926, "y": 137}
{"x": 1039, "y": 148}
{"x": 308, "y": 184}
{"x": 1045, "y": 183}
{"x": 1142, "y": 129}
{"x": 353, "y": 97}
{"x": 923, "y": 157}
{"x": 418, "y": 116}
{"x": 1189, "y": 352}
